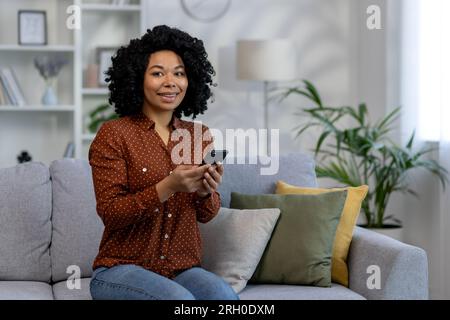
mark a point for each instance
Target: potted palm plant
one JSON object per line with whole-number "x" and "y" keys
{"x": 362, "y": 153}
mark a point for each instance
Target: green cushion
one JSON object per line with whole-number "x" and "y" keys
{"x": 300, "y": 249}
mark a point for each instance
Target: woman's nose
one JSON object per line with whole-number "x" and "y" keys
{"x": 169, "y": 84}
{"x": 168, "y": 81}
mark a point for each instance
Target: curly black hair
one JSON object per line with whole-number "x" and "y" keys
{"x": 126, "y": 75}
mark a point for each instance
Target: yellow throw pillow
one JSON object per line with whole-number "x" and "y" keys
{"x": 344, "y": 232}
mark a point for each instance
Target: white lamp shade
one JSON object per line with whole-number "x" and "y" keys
{"x": 266, "y": 60}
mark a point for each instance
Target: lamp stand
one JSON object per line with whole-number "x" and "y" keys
{"x": 265, "y": 145}
{"x": 266, "y": 105}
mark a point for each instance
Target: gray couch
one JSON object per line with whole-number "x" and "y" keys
{"x": 49, "y": 236}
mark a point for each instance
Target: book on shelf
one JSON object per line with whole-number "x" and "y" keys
{"x": 7, "y": 93}
{"x": 70, "y": 150}
{"x": 3, "y": 97}
{"x": 11, "y": 87}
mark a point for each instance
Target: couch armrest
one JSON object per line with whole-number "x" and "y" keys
{"x": 403, "y": 268}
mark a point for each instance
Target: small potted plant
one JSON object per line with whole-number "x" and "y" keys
{"x": 49, "y": 68}
{"x": 363, "y": 153}
{"x": 99, "y": 115}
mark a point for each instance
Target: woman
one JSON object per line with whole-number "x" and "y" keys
{"x": 149, "y": 200}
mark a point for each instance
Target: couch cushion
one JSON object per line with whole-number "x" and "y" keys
{"x": 293, "y": 168}
{"x": 234, "y": 241}
{"x": 25, "y": 290}
{"x": 289, "y": 292}
{"x": 25, "y": 226}
{"x": 62, "y": 292}
{"x": 77, "y": 229}
{"x": 344, "y": 232}
{"x": 300, "y": 249}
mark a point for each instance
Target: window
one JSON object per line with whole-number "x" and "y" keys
{"x": 433, "y": 70}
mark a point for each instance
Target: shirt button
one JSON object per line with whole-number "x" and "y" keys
{"x": 144, "y": 169}
{"x": 162, "y": 257}
{"x": 169, "y": 215}
{"x": 170, "y": 172}
{"x": 156, "y": 210}
{"x": 166, "y": 236}
{"x": 197, "y": 202}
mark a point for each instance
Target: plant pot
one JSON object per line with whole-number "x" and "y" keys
{"x": 390, "y": 230}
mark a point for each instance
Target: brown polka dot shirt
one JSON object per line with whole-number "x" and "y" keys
{"x": 128, "y": 158}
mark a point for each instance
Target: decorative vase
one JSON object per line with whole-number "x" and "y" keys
{"x": 49, "y": 98}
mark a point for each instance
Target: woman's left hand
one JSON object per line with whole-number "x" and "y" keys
{"x": 211, "y": 180}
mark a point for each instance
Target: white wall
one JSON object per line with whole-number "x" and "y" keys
{"x": 320, "y": 30}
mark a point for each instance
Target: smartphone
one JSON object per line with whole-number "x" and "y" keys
{"x": 215, "y": 156}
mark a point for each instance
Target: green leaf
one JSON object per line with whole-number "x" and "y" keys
{"x": 100, "y": 115}
{"x": 313, "y": 92}
{"x": 411, "y": 141}
{"x": 99, "y": 110}
{"x": 322, "y": 137}
{"x": 297, "y": 91}
{"x": 391, "y": 117}
{"x": 362, "y": 110}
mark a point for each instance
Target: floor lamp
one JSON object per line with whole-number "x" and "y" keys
{"x": 267, "y": 61}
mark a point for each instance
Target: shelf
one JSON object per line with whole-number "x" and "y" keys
{"x": 101, "y": 24}
{"x": 88, "y": 137}
{"x": 37, "y": 108}
{"x": 51, "y": 48}
{"x": 95, "y": 91}
{"x": 110, "y": 7}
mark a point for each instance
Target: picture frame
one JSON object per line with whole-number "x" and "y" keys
{"x": 32, "y": 27}
{"x": 104, "y": 55}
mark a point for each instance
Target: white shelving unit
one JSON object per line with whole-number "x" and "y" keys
{"x": 54, "y": 48}
{"x": 94, "y": 91}
{"x": 109, "y": 7}
{"x": 38, "y": 108}
{"x": 44, "y": 131}
{"x": 109, "y": 26}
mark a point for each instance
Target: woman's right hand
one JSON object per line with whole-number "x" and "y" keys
{"x": 184, "y": 178}
{"x": 187, "y": 178}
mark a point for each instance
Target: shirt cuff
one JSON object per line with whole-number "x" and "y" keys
{"x": 149, "y": 199}
{"x": 202, "y": 200}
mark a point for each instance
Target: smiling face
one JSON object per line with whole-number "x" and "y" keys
{"x": 165, "y": 81}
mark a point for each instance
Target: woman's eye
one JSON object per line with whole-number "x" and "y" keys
{"x": 157, "y": 74}
{"x": 180, "y": 74}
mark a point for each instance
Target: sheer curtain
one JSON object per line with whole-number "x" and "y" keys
{"x": 425, "y": 95}
{"x": 444, "y": 140}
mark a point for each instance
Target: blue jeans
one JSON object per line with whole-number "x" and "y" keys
{"x": 132, "y": 282}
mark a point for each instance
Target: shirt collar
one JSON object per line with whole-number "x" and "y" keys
{"x": 146, "y": 123}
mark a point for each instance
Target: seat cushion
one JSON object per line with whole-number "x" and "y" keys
{"x": 62, "y": 292}
{"x": 290, "y": 292}
{"x": 249, "y": 176}
{"x": 77, "y": 229}
{"x": 25, "y": 290}
{"x": 25, "y": 226}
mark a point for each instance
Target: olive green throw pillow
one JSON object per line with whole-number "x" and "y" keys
{"x": 301, "y": 246}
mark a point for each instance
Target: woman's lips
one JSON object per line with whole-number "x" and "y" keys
{"x": 168, "y": 98}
